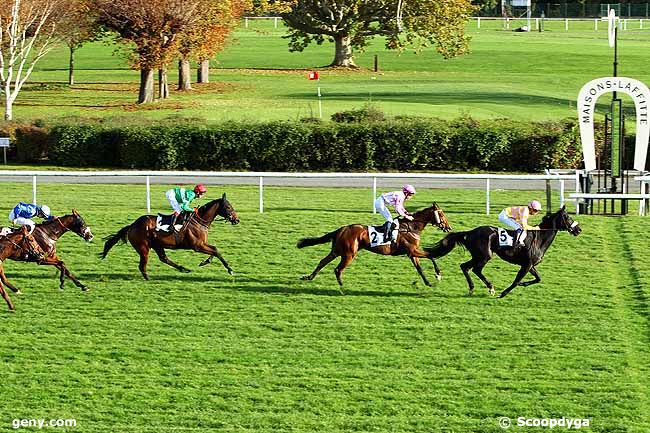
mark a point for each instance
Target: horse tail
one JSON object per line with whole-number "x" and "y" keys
{"x": 308, "y": 242}
{"x": 448, "y": 243}
{"x": 113, "y": 239}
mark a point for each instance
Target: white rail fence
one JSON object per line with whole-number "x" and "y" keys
{"x": 372, "y": 179}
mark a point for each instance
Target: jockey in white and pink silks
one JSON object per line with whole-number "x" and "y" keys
{"x": 395, "y": 199}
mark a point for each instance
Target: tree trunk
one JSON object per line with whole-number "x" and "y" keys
{"x": 71, "y": 67}
{"x": 146, "y": 86}
{"x": 9, "y": 107}
{"x": 163, "y": 84}
{"x": 203, "y": 72}
{"x": 184, "y": 75}
{"x": 343, "y": 55}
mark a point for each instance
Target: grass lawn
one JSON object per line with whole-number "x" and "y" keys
{"x": 264, "y": 351}
{"x": 528, "y": 76}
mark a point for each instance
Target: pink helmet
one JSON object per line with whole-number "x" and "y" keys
{"x": 408, "y": 189}
{"x": 535, "y": 205}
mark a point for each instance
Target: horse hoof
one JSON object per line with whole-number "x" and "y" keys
{"x": 470, "y": 293}
{"x": 231, "y": 272}
{"x": 305, "y": 278}
{"x": 185, "y": 270}
{"x": 85, "y": 289}
{"x": 19, "y": 292}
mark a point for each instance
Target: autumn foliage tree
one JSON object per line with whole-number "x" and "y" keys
{"x": 351, "y": 24}
{"x": 207, "y": 36}
{"x": 78, "y": 26}
{"x": 152, "y": 28}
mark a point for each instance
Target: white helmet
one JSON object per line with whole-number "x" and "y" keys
{"x": 535, "y": 205}
{"x": 46, "y": 211}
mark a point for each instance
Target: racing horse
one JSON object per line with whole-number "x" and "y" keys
{"x": 20, "y": 243}
{"x": 348, "y": 240}
{"x": 143, "y": 236}
{"x": 48, "y": 232}
{"x": 482, "y": 242}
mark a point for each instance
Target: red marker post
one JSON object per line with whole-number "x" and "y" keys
{"x": 313, "y": 75}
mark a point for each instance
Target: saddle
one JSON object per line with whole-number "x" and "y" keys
{"x": 164, "y": 222}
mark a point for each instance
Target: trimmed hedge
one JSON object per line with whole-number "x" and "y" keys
{"x": 400, "y": 145}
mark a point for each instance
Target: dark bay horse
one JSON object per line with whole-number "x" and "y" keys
{"x": 48, "y": 232}
{"x": 16, "y": 243}
{"x": 482, "y": 242}
{"x": 348, "y": 240}
{"x": 143, "y": 236}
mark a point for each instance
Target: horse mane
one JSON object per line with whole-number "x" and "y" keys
{"x": 547, "y": 220}
{"x": 208, "y": 205}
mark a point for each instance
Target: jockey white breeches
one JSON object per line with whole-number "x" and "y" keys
{"x": 171, "y": 196}
{"x": 510, "y": 222}
{"x": 22, "y": 221}
{"x": 380, "y": 206}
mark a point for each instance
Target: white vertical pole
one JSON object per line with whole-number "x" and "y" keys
{"x": 478, "y": 22}
{"x": 561, "y": 192}
{"x": 641, "y": 24}
{"x": 320, "y": 104}
{"x": 246, "y": 22}
{"x": 577, "y": 190}
{"x": 275, "y": 22}
{"x": 34, "y": 189}
{"x": 261, "y": 194}
{"x": 148, "y": 195}
{"x": 566, "y": 24}
{"x": 596, "y": 25}
{"x": 536, "y": 23}
{"x": 374, "y": 194}
{"x": 487, "y": 196}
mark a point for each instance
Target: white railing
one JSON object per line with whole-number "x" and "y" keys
{"x": 147, "y": 175}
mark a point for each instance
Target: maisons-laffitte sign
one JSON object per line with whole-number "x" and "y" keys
{"x": 587, "y": 98}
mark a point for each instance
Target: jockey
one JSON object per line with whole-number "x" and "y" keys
{"x": 395, "y": 199}
{"x": 516, "y": 217}
{"x": 24, "y": 212}
{"x": 180, "y": 199}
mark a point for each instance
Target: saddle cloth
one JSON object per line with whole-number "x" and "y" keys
{"x": 376, "y": 234}
{"x": 163, "y": 222}
{"x": 506, "y": 239}
{"x": 4, "y": 231}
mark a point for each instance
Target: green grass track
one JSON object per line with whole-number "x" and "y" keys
{"x": 264, "y": 351}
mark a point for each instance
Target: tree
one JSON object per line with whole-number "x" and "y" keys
{"x": 27, "y": 33}
{"x": 79, "y": 26}
{"x": 352, "y": 23}
{"x": 151, "y": 27}
{"x": 203, "y": 40}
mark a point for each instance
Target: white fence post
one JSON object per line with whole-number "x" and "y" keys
{"x": 148, "y": 195}
{"x": 374, "y": 194}
{"x": 561, "y": 192}
{"x": 275, "y": 22}
{"x": 34, "y": 189}
{"x": 478, "y": 22}
{"x": 487, "y": 196}
{"x": 261, "y": 194}
{"x": 595, "y": 25}
{"x": 566, "y": 24}
{"x": 246, "y": 22}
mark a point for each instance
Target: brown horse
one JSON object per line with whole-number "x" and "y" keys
{"x": 348, "y": 240}
{"x": 143, "y": 236}
{"x": 16, "y": 243}
{"x": 48, "y": 232}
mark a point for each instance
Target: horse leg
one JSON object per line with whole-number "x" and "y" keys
{"x": 213, "y": 252}
{"x": 143, "y": 250}
{"x": 478, "y": 271}
{"x": 422, "y": 254}
{"x": 416, "y": 263}
{"x": 436, "y": 269}
{"x": 535, "y": 274}
{"x": 7, "y": 283}
{"x": 520, "y": 275}
{"x": 162, "y": 255}
{"x": 345, "y": 262}
{"x": 324, "y": 262}
{"x": 3, "y": 292}
{"x": 465, "y": 267}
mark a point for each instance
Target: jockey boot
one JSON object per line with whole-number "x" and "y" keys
{"x": 172, "y": 225}
{"x": 518, "y": 237}
{"x": 388, "y": 231}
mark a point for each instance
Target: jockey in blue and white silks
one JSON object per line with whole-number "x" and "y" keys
{"x": 23, "y": 213}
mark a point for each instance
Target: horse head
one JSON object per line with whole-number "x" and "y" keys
{"x": 219, "y": 207}
{"x": 561, "y": 220}
{"x": 435, "y": 216}
{"x": 79, "y": 227}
